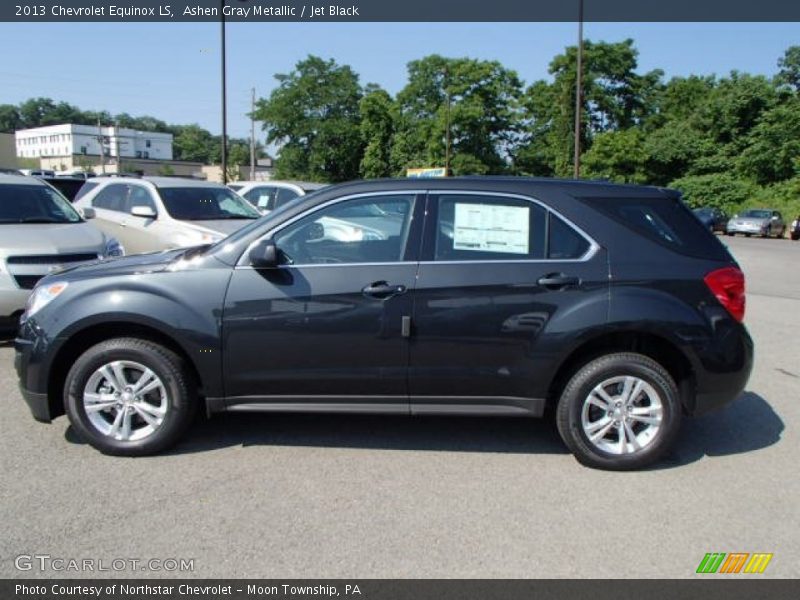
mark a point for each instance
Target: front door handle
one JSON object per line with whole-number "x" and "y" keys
{"x": 381, "y": 289}
{"x": 557, "y": 281}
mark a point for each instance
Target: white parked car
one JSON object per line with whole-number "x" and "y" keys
{"x": 269, "y": 195}
{"x": 40, "y": 232}
{"x": 158, "y": 213}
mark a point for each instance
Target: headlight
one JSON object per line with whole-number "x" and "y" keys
{"x": 113, "y": 248}
{"x": 42, "y": 296}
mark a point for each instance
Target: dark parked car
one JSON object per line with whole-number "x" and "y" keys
{"x": 481, "y": 296}
{"x": 68, "y": 186}
{"x": 794, "y": 232}
{"x": 714, "y": 219}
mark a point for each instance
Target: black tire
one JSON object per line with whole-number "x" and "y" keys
{"x": 568, "y": 412}
{"x": 181, "y": 401}
{"x": 747, "y": 235}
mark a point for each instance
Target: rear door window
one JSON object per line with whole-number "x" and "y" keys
{"x": 564, "y": 242}
{"x": 479, "y": 228}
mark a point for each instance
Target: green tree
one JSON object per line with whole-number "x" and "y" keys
{"x": 193, "y": 143}
{"x": 484, "y": 115}
{"x": 10, "y": 119}
{"x": 721, "y": 190}
{"x": 377, "y": 129}
{"x": 773, "y": 146}
{"x": 617, "y": 156}
{"x": 789, "y": 68}
{"x": 313, "y": 115}
{"x": 614, "y": 97}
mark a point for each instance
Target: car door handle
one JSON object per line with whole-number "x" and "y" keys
{"x": 557, "y": 281}
{"x": 381, "y": 289}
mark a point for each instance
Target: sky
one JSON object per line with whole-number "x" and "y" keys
{"x": 172, "y": 70}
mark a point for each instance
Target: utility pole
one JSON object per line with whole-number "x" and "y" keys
{"x": 116, "y": 143}
{"x": 102, "y": 147}
{"x": 578, "y": 94}
{"x": 253, "y": 135}
{"x": 224, "y": 101}
{"x": 447, "y": 130}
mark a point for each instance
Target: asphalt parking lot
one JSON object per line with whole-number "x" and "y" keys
{"x": 321, "y": 496}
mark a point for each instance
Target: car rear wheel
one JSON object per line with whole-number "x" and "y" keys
{"x": 619, "y": 412}
{"x": 129, "y": 397}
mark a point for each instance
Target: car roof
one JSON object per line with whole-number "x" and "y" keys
{"x": 162, "y": 182}
{"x": 596, "y": 189}
{"x": 6, "y": 178}
{"x": 306, "y": 185}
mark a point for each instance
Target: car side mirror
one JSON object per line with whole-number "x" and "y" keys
{"x": 264, "y": 255}
{"x": 146, "y": 212}
{"x": 88, "y": 213}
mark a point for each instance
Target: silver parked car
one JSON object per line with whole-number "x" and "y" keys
{"x": 159, "y": 213}
{"x": 757, "y": 221}
{"x": 40, "y": 232}
{"x": 269, "y": 195}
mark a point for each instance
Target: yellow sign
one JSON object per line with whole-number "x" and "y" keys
{"x": 427, "y": 172}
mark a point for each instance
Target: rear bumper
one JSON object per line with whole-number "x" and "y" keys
{"x": 722, "y": 369}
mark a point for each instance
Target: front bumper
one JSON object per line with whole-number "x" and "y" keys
{"x": 30, "y": 348}
{"x": 12, "y": 298}
{"x": 746, "y": 229}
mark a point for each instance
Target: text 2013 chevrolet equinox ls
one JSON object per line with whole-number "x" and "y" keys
{"x": 485, "y": 296}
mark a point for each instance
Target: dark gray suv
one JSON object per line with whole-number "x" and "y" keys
{"x": 483, "y": 296}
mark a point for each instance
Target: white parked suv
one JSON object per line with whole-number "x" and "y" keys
{"x": 269, "y": 195}
{"x": 40, "y": 232}
{"x": 159, "y": 213}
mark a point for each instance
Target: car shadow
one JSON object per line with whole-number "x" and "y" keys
{"x": 375, "y": 432}
{"x": 746, "y": 425}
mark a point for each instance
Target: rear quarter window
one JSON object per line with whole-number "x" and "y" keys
{"x": 665, "y": 220}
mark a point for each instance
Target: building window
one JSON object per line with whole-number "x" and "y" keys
{"x": 147, "y": 143}
{"x": 146, "y": 154}
{"x": 83, "y": 149}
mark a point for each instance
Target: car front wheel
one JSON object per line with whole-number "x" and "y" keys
{"x": 129, "y": 397}
{"x": 619, "y": 412}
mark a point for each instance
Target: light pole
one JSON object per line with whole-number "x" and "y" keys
{"x": 578, "y": 94}
{"x": 224, "y": 100}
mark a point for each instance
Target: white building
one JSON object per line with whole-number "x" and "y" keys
{"x": 69, "y": 140}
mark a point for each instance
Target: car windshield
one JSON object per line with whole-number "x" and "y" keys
{"x": 34, "y": 204}
{"x": 206, "y": 204}
{"x": 757, "y": 214}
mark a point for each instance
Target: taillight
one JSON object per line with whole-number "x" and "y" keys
{"x": 727, "y": 285}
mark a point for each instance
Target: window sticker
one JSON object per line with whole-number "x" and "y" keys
{"x": 491, "y": 228}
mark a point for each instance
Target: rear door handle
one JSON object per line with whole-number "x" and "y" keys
{"x": 557, "y": 281}
{"x": 381, "y": 289}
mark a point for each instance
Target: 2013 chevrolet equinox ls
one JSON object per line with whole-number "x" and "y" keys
{"x": 486, "y": 296}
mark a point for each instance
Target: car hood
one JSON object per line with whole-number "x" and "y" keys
{"x": 51, "y": 238}
{"x": 135, "y": 264}
{"x": 223, "y": 226}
